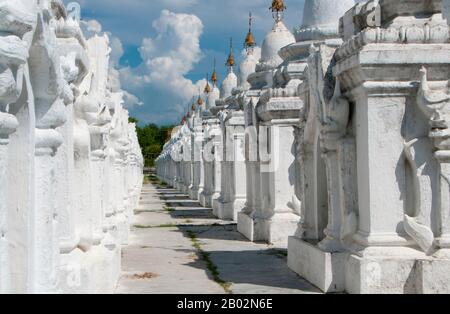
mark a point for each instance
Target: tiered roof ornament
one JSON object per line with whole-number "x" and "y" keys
{"x": 214, "y": 92}
{"x": 278, "y": 8}
{"x": 277, "y": 38}
{"x": 207, "y": 89}
{"x": 248, "y": 65}
{"x": 231, "y": 61}
{"x": 250, "y": 41}
{"x": 214, "y": 74}
{"x": 193, "y": 105}
{"x": 230, "y": 81}
{"x": 200, "y": 101}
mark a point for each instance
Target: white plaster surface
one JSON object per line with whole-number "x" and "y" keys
{"x": 63, "y": 154}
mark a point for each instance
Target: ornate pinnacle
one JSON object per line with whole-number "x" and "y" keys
{"x": 214, "y": 74}
{"x": 250, "y": 41}
{"x": 278, "y": 8}
{"x": 231, "y": 61}
{"x": 207, "y": 88}
{"x": 193, "y": 104}
{"x": 200, "y": 101}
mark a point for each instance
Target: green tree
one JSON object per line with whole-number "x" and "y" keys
{"x": 151, "y": 139}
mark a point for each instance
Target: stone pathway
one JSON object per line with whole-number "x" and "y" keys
{"x": 178, "y": 247}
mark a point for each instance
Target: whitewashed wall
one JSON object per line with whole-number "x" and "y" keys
{"x": 66, "y": 148}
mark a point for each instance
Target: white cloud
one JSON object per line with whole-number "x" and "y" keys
{"x": 172, "y": 53}
{"x": 168, "y": 57}
{"x": 131, "y": 100}
{"x": 92, "y": 28}
{"x": 162, "y": 92}
{"x": 116, "y": 50}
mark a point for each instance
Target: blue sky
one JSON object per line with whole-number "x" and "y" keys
{"x": 162, "y": 48}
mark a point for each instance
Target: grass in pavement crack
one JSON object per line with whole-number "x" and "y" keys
{"x": 159, "y": 226}
{"x": 206, "y": 257}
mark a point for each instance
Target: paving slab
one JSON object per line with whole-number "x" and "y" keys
{"x": 161, "y": 258}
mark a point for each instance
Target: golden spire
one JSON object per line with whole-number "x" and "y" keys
{"x": 200, "y": 100}
{"x": 214, "y": 75}
{"x": 250, "y": 41}
{"x": 207, "y": 88}
{"x": 231, "y": 61}
{"x": 277, "y": 8}
{"x": 193, "y": 104}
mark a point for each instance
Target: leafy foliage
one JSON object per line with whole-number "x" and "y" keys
{"x": 152, "y": 139}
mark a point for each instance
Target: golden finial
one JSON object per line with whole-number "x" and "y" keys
{"x": 200, "y": 101}
{"x": 231, "y": 61}
{"x": 214, "y": 75}
{"x": 193, "y": 104}
{"x": 207, "y": 88}
{"x": 250, "y": 41}
{"x": 277, "y": 8}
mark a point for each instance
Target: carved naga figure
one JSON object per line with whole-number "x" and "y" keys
{"x": 15, "y": 22}
{"x": 435, "y": 105}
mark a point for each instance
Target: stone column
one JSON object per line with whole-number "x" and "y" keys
{"x": 395, "y": 230}
{"x": 277, "y": 218}
{"x": 217, "y": 182}
{"x": 50, "y": 114}
{"x": 253, "y": 166}
{"x": 233, "y": 193}
{"x": 98, "y": 157}
{"x": 179, "y": 164}
{"x": 13, "y": 56}
{"x": 321, "y": 19}
{"x": 74, "y": 67}
{"x": 196, "y": 155}
{"x": 223, "y": 164}
{"x": 320, "y": 183}
{"x": 8, "y": 125}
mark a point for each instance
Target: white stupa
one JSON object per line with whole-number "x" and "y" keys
{"x": 214, "y": 92}
{"x": 231, "y": 81}
{"x": 248, "y": 65}
{"x": 321, "y": 19}
{"x": 276, "y": 39}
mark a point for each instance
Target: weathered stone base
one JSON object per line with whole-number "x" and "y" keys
{"x": 324, "y": 270}
{"x": 246, "y": 226}
{"x": 380, "y": 275}
{"x": 225, "y": 211}
{"x": 184, "y": 189}
{"x": 276, "y": 230}
{"x": 433, "y": 276}
{"x": 200, "y": 194}
{"x": 123, "y": 228}
{"x": 216, "y": 206}
{"x": 210, "y": 199}
{"x": 230, "y": 210}
{"x": 397, "y": 271}
{"x": 193, "y": 194}
{"x": 93, "y": 272}
{"x": 202, "y": 199}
